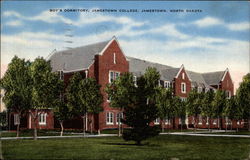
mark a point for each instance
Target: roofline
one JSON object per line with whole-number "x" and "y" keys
{"x": 107, "y": 45}
{"x": 225, "y": 73}
{"x": 75, "y": 70}
{"x": 182, "y": 67}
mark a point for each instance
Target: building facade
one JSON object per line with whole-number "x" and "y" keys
{"x": 105, "y": 61}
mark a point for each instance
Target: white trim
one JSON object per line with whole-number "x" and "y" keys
{"x": 225, "y": 73}
{"x": 182, "y": 67}
{"x": 109, "y": 117}
{"x": 44, "y": 119}
{"x": 157, "y": 121}
{"x": 114, "y": 57}
{"x": 29, "y": 121}
{"x": 86, "y": 73}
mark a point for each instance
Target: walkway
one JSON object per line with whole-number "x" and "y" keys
{"x": 197, "y": 133}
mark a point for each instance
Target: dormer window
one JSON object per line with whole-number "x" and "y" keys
{"x": 199, "y": 89}
{"x": 183, "y": 75}
{"x": 166, "y": 84}
{"x": 114, "y": 58}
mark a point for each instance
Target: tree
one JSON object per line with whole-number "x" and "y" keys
{"x": 243, "y": 97}
{"x": 17, "y": 85}
{"x": 165, "y": 104}
{"x": 207, "y": 108}
{"x": 142, "y": 111}
{"x": 46, "y": 88}
{"x": 62, "y": 112}
{"x": 90, "y": 99}
{"x": 122, "y": 93}
{"x": 180, "y": 109}
{"x": 72, "y": 95}
{"x": 232, "y": 111}
{"x": 194, "y": 105}
{"x": 218, "y": 104}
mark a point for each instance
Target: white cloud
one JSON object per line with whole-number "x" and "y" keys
{"x": 239, "y": 26}
{"x": 211, "y": 21}
{"x": 208, "y": 21}
{"x": 14, "y": 23}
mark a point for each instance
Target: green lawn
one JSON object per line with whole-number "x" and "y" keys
{"x": 161, "y": 147}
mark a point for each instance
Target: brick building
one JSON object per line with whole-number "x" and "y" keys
{"x": 105, "y": 61}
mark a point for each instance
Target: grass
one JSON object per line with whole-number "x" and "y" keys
{"x": 160, "y": 147}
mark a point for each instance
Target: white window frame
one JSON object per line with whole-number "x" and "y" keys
{"x": 114, "y": 57}
{"x": 16, "y": 119}
{"x": 117, "y": 117}
{"x": 115, "y": 75}
{"x": 228, "y": 94}
{"x": 200, "y": 120}
{"x": 167, "y": 84}
{"x": 109, "y": 118}
{"x": 207, "y": 121}
{"x": 157, "y": 121}
{"x": 215, "y": 122}
{"x": 167, "y": 121}
{"x": 199, "y": 89}
{"x": 135, "y": 80}
{"x": 183, "y": 75}
{"x": 42, "y": 118}
{"x": 183, "y": 87}
{"x": 183, "y": 99}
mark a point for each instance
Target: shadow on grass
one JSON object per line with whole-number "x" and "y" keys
{"x": 131, "y": 144}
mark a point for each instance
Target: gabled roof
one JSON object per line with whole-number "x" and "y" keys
{"x": 138, "y": 66}
{"x": 197, "y": 79}
{"x": 79, "y": 58}
{"x": 213, "y": 78}
{"x": 169, "y": 74}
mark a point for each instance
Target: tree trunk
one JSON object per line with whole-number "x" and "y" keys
{"x": 231, "y": 124}
{"x": 162, "y": 126}
{"x": 62, "y": 128}
{"x": 34, "y": 123}
{"x": 181, "y": 124}
{"x": 83, "y": 125}
{"x": 249, "y": 124}
{"x": 195, "y": 123}
{"x": 119, "y": 126}
{"x": 226, "y": 125}
{"x": 17, "y": 130}
{"x": 91, "y": 123}
{"x": 18, "y": 125}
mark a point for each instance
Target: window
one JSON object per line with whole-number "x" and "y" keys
{"x": 113, "y": 76}
{"x": 238, "y": 122}
{"x": 135, "y": 80}
{"x": 167, "y": 84}
{"x": 183, "y": 75}
{"x": 180, "y": 121}
{"x": 183, "y": 87}
{"x": 109, "y": 118}
{"x": 119, "y": 116}
{"x": 183, "y": 99}
{"x": 16, "y": 119}
{"x": 157, "y": 121}
{"x": 200, "y": 119}
{"x": 114, "y": 59}
{"x": 215, "y": 121}
{"x": 42, "y": 118}
{"x": 199, "y": 89}
{"x": 228, "y": 94}
{"x": 167, "y": 121}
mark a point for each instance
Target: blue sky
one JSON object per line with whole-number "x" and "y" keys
{"x": 214, "y": 39}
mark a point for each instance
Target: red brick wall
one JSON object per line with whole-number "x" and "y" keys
{"x": 227, "y": 84}
{"x": 49, "y": 120}
{"x": 103, "y": 64}
{"x": 177, "y": 84}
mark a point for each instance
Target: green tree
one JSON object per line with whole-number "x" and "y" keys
{"x": 90, "y": 99}
{"x": 143, "y": 110}
{"x": 218, "y": 104}
{"x": 17, "y": 85}
{"x": 193, "y": 105}
{"x": 121, "y": 93}
{"x": 232, "y": 111}
{"x": 180, "y": 110}
{"x": 165, "y": 104}
{"x": 207, "y": 108}
{"x": 243, "y": 97}
{"x": 46, "y": 88}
